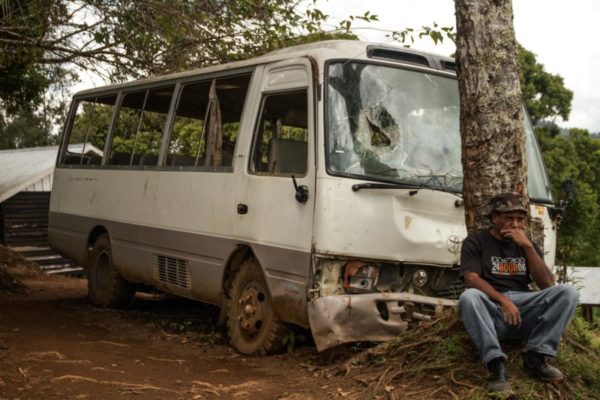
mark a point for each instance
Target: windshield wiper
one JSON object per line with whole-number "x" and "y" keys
{"x": 415, "y": 187}
{"x": 541, "y": 201}
{"x": 399, "y": 185}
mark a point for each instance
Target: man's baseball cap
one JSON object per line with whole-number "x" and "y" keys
{"x": 505, "y": 202}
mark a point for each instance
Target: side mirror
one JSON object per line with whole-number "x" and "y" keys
{"x": 567, "y": 193}
{"x": 301, "y": 191}
{"x": 566, "y": 196}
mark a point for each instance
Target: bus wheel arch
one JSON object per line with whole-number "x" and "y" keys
{"x": 106, "y": 288}
{"x": 253, "y": 326}
{"x": 91, "y": 240}
{"x": 242, "y": 253}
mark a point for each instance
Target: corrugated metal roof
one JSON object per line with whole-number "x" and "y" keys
{"x": 587, "y": 281}
{"x": 20, "y": 168}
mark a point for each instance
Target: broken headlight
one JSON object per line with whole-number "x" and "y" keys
{"x": 360, "y": 277}
{"x": 338, "y": 276}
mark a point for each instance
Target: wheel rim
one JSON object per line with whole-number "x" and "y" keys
{"x": 101, "y": 270}
{"x": 253, "y": 309}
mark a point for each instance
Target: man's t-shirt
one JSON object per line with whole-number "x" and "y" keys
{"x": 502, "y": 263}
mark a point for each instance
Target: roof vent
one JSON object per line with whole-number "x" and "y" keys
{"x": 397, "y": 55}
{"x": 449, "y": 65}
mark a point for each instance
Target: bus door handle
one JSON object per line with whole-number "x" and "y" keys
{"x": 242, "y": 209}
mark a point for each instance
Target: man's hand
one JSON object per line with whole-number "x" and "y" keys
{"x": 510, "y": 312}
{"x": 518, "y": 235}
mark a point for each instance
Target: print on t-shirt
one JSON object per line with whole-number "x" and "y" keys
{"x": 508, "y": 266}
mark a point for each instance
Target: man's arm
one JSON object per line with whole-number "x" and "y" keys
{"x": 538, "y": 269}
{"x": 510, "y": 312}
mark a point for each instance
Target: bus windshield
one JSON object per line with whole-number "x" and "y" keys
{"x": 395, "y": 125}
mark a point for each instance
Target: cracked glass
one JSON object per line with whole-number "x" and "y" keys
{"x": 396, "y": 125}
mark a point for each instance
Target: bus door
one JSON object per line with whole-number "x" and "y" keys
{"x": 275, "y": 201}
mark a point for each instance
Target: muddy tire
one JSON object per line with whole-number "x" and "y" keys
{"x": 252, "y": 323}
{"x": 106, "y": 288}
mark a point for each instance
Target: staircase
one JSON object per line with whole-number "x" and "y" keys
{"x": 49, "y": 261}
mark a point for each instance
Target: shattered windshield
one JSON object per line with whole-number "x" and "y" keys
{"x": 396, "y": 125}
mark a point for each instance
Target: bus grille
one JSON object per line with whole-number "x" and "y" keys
{"x": 173, "y": 271}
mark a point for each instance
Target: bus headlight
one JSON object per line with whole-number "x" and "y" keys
{"x": 360, "y": 277}
{"x": 419, "y": 278}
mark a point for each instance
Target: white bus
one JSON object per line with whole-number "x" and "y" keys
{"x": 318, "y": 185}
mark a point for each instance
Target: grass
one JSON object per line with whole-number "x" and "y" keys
{"x": 437, "y": 361}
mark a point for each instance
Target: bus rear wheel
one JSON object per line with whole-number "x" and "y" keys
{"x": 106, "y": 288}
{"x": 252, "y": 323}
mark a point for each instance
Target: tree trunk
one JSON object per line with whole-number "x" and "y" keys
{"x": 491, "y": 110}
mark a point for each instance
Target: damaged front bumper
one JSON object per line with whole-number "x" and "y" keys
{"x": 338, "y": 319}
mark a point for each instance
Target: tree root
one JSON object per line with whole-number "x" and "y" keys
{"x": 108, "y": 342}
{"x": 125, "y": 385}
{"x": 415, "y": 370}
{"x": 460, "y": 383}
{"x": 178, "y": 361}
{"x": 46, "y": 354}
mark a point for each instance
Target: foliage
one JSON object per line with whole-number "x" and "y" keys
{"x": 132, "y": 38}
{"x": 26, "y": 129}
{"x": 91, "y": 124}
{"x": 437, "y": 360}
{"x": 26, "y": 85}
{"x": 435, "y": 32}
{"x": 544, "y": 94}
{"x": 581, "y": 358}
{"x": 187, "y": 137}
{"x": 22, "y": 79}
{"x": 575, "y": 155}
{"x": 41, "y": 40}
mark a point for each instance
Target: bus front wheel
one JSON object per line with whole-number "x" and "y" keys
{"x": 106, "y": 288}
{"x": 252, "y": 323}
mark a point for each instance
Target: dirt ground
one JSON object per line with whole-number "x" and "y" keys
{"x": 55, "y": 345}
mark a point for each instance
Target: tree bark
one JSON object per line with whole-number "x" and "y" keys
{"x": 491, "y": 110}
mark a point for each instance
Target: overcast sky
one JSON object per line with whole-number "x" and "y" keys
{"x": 562, "y": 34}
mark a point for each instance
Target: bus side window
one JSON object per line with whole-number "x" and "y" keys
{"x": 127, "y": 124}
{"x": 89, "y": 131}
{"x": 187, "y": 144}
{"x": 154, "y": 118}
{"x": 230, "y": 98}
{"x": 207, "y": 121}
{"x": 281, "y": 138}
{"x": 139, "y": 128}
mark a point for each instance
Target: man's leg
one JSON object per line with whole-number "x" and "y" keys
{"x": 478, "y": 313}
{"x": 545, "y": 314}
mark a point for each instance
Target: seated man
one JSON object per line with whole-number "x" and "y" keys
{"x": 497, "y": 265}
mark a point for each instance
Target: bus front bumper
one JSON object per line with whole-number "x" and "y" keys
{"x": 340, "y": 319}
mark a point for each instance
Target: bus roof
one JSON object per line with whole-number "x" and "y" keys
{"x": 340, "y": 49}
